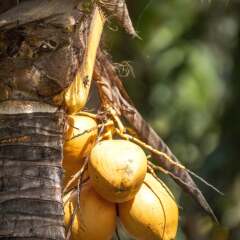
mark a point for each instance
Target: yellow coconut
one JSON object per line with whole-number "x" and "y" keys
{"x": 94, "y": 220}
{"x": 152, "y": 214}
{"x": 77, "y": 147}
{"x": 117, "y": 169}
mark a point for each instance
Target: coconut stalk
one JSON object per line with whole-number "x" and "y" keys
{"x": 75, "y": 97}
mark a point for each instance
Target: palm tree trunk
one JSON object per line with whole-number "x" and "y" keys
{"x": 41, "y": 48}
{"x": 38, "y": 60}
{"x": 31, "y": 141}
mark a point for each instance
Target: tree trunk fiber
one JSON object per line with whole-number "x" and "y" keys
{"x": 31, "y": 142}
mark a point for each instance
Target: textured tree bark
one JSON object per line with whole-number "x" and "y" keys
{"x": 31, "y": 141}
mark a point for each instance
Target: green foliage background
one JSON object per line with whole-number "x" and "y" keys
{"x": 186, "y": 84}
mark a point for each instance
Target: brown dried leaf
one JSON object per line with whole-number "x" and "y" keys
{"x": 118, "y": 9}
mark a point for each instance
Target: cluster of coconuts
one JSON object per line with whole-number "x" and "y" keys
{"x": 118, "y": 186}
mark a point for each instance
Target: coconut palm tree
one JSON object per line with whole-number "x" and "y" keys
{"x": 42, "y": 47}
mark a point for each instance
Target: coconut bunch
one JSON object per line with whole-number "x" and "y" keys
{"x": 107, "y": 173}
{"x": 108, "y": 177}
{"x": 109, "y": 169}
